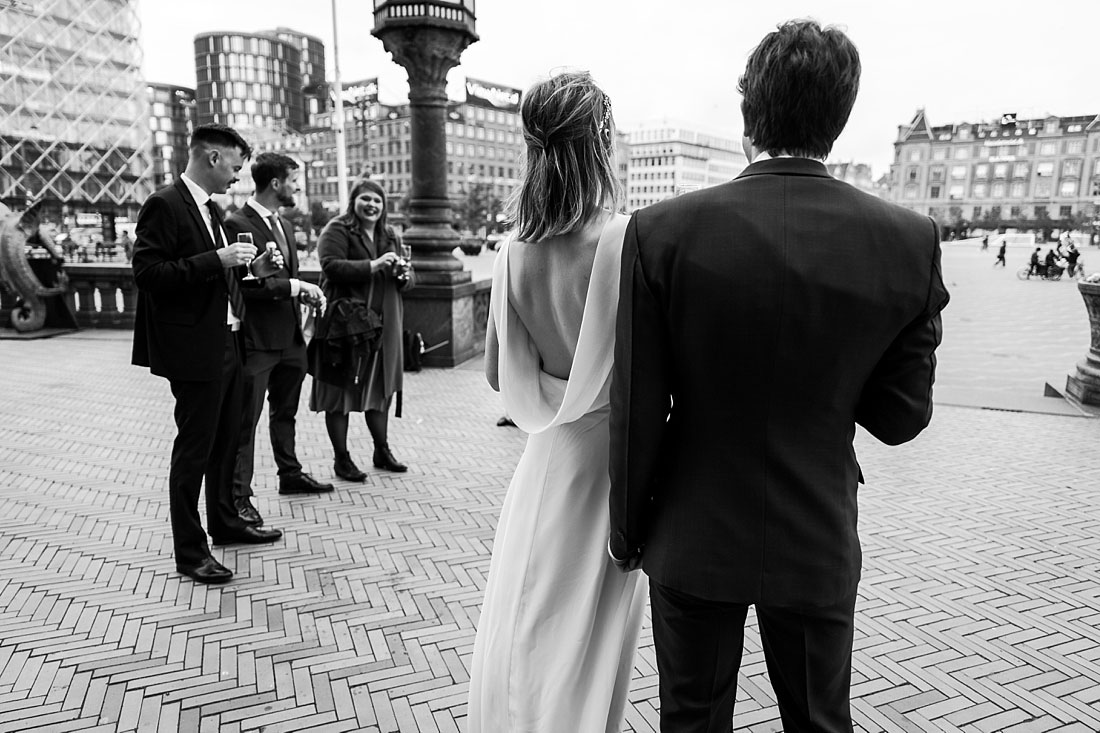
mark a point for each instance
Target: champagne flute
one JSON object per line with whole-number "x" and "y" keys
{"x": 246, "y": 238}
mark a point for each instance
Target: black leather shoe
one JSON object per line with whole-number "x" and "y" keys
{"x": 249, "y": 536}
{"x": 207, "y": 571}
{"x": 302, "y": 483}
{"x": 247, "y": 512}
{"x": 384, "y": 459}
{"x": 346, "y": 469}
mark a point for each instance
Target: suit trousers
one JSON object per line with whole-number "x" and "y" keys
{"x": 698, "y": 642}
{"x": 208, "y": 424}
{"x": 278, "y": 373}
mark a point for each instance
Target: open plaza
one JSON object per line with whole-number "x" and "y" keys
{"x": 979, "y": 608}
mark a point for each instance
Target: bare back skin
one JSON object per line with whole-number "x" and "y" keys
{"x": 548, "y": 284}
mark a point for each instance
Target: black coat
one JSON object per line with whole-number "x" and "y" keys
{"x": 274, "y": 318}
{"x": 759, "y": 322}
{"x": 179, "y": 326}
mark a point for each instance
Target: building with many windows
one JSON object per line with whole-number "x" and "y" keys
{"x": 249, "y": 80}
{"x": 1015, "y": 173}
{"x": 315, "y": 93}
{"x": 668, "y": 159}
{"x": 171, "y": 119}
{"x": 484, "y": 144}
{"x": 74, "y": 113}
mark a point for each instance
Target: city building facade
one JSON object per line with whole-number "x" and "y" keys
{"x": 315, "y": 91}
{"x": 1026, "y": 174}
{"x": 74, "y": 112}
{"x": 484, "y": 145}
{"x": 171, "y": 120}
{"x": 670, "y": 158}
{"x": 249, "y": 80}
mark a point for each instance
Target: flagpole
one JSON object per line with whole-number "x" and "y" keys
{"x": 338, "y": 119}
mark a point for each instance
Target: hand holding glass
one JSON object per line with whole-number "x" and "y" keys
{"x": 266, "y": 264}
{"x": 246, "y": 238}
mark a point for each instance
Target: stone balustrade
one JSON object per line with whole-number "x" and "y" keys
{"x": 103, "y": 295}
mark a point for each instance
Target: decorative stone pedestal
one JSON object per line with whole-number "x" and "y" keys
{"x": 451, "y": 319}
{"x": 1084, "y": 384}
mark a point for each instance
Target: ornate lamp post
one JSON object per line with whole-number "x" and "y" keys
{"x": 427, "y": 38}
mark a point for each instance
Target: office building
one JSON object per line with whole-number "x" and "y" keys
{"x": 74, "y": 112}
{"x": 1028, "y": 174}
{"x": 669, "y": 158}
{"x": 249, "y": 80}
{"x": 484, "y": 144}
{"x": 171, "y": 120}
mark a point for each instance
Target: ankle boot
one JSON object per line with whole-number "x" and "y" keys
{"x": 345, "y": 468}
{"x": 384, "y": 459}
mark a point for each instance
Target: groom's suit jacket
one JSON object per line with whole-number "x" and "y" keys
{"x": 759, "y": 322}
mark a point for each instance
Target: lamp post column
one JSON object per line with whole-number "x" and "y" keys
{"x": 427, "y": 38}
{"x": 428, "y": 53}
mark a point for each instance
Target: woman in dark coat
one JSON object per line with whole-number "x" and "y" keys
{"x": 361, "y": 259}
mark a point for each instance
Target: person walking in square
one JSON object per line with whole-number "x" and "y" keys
{"x": 275, "y": 350}
{"x": 1001, "y": 253}
{"x": 760, "y": 321}
{"x": 187, "y": 330}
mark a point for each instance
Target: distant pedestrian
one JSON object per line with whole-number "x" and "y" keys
{"x": 985, "y": 243}
{"x": 1071, "y": 258}
{"x": 1034, "y": 266}
{"x": 1001, "y": 253}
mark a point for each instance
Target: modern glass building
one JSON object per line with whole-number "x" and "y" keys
{"x": 171, "y": 119}
{"x": 249, "y": 80}
{"x": 74, "y": 131}
{"x": 315, "y": 95}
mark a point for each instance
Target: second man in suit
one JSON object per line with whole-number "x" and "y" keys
{"x": 274, "y": 345}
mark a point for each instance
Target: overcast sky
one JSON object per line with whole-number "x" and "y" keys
{"x": 960, "y": 60}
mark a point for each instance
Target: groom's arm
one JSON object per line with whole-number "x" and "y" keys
{"x": 639, "y": 405}
{"x": 896, "y": 402}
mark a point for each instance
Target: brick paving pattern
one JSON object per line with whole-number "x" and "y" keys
{"x": 979, "y": 608}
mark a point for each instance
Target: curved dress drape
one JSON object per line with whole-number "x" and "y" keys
{"x": 559, "y": 625}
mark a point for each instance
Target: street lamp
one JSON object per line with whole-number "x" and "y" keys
{"x": 427, "y": 38}
{"x": 306, "y": 156}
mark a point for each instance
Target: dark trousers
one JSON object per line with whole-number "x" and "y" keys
{"x": 699, "y": 643}
{"x": 279, "y": 374}
{"x": 208, "y": 423}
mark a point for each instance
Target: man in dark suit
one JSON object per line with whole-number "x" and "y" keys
{"x": 187, "y": 329}
{"x": 760, "y": 321}
{"x": 275, "y": 351}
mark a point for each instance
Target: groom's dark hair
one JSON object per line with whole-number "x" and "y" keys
{"x": 798, "y": 89}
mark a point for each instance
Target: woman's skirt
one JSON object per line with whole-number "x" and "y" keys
{"x": 370, "y": 394}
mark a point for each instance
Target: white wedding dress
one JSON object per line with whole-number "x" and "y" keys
{"x": 559, "y": 626}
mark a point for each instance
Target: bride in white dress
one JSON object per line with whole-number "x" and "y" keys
{"x": 559, "y": 626}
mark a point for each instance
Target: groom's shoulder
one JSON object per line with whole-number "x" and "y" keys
{"x": 689, "y": 203}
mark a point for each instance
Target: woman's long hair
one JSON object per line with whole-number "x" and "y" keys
{"x": 381, "y": 230}
{"x": 570, "y": 167}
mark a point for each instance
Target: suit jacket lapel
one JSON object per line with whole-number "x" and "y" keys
{"x": 292, "y": 251}
{"x": 192, "y": 207}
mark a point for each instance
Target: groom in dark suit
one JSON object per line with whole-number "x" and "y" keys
{"x": 759, "y": 322}
{"x": 275, "y": 350}
{"x": 187, "y": 329}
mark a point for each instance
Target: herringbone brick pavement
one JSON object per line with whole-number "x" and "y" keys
{"x": 979, "y": 609}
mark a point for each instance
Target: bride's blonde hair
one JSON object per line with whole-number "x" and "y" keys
{"x": 570, "y": 166}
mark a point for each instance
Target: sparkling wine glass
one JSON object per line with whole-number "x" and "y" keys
{"x": 246, "y": 238}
